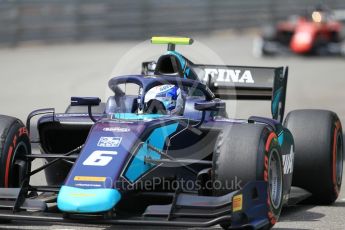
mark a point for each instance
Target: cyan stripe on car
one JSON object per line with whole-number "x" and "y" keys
{"x": 157, "y": 138}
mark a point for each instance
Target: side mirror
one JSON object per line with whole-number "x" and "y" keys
{"x": 214, "y": 105}
{"x": 148, "y": 68}
{"x": 90, "y": 101}
{"x": 87, "y": 101}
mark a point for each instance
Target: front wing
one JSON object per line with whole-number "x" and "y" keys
{"x": 243, "y": 208}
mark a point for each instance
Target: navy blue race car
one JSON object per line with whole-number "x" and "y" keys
{"x": 163, "y": 151}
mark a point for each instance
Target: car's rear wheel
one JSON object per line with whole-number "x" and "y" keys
{"x": 249, "y": 152}
{"x": 318, "y": 164}
{"x": 14, "y": 146}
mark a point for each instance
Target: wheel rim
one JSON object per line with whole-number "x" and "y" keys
{"x": 275, "y": 179}
{"x": 339, "y": 159}
{"x": 19, "y": 165}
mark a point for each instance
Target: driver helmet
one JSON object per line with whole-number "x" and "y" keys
{"x": 167, "y": 94}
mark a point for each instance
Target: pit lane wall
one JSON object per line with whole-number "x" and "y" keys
{"x": 85, "y": 20}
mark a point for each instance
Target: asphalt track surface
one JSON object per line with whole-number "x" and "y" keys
{"x": 37, "y": 76}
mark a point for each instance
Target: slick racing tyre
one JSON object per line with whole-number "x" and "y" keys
{"x": 318, "y": 165}
{"x": 14, "y": 146}
{"x": 249, "y": 152}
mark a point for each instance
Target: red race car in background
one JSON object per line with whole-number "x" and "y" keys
{"x": 316, "y": 33}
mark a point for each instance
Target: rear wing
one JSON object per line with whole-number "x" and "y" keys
{"x": 247, "y": 82}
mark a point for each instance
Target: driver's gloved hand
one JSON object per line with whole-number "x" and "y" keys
{"x": 180, "y": 102}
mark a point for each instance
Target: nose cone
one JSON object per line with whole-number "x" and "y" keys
{"x": 302, "y": 42}
{"x": 303, "y": 39}
{"x": 78, "y": 200}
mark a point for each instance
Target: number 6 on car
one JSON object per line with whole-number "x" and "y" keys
{"x": 99, "y": 158}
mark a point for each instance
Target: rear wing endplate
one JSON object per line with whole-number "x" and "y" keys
{"x": 249, "y": 83}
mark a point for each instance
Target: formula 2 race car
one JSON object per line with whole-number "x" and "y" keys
{"x": 316, "y": 33}
{"x": 139, "y": 159}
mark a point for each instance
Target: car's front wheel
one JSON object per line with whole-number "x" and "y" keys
{"x": 14, "y": 146}
{"x": 245, "y": 153}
